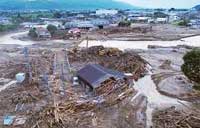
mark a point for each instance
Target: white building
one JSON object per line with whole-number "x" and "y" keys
{"x": 161, "y": 20}
{"x": 173, "y": 17}
{"x": 140, "y": 19}
{"x": 28, "y": 24}
{"x": 195, "y": 23}
{"x": 106, "y": 12}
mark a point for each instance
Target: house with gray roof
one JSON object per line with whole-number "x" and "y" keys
{"x": 93, "y": 75}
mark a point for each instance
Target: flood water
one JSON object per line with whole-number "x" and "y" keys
{"x": 191, "y": 41}
{"x": 12, "y": 39}
{"x": 147, "y": 87}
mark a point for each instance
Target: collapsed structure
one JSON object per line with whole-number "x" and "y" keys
{"x": 100, "y": 79}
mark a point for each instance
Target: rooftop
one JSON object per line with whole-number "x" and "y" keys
{"x": 95, "y": 74}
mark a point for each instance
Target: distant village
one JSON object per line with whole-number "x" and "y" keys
{"x": 71, "y": 24}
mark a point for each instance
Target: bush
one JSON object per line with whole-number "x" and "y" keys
{"x": 191, "y": 66}
{"x": 183, "y": 23}
{"x": 52, "y": 29}
{"x": 4, "y": 28}
{"x": 197, "y": 87}
{"x": 124, "y": 24}
{"x": 160, "y": 15}
{"x": 32, "y": 33}
{"x": 57, "y": 15}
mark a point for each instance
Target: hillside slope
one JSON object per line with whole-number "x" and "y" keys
{"x": 61, "y": 4}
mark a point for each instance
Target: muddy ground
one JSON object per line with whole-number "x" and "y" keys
{"x": 170, "y": 81}
{"x": 26, "y": 100}
{"x": 144, "y": 32}
{"x": 32, "y": 99}
{"x": 176, "y": 118}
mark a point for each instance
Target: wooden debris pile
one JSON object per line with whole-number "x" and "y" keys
{"x": 9, "y": 70}
{"x": 128, "y": 62}
{"x": 74, "y": 113}
{"x": 135, "y": 29}
{"x": 166, "y": 65}
{"x": 23, "y": 98}
{"x": 172, "y": 118}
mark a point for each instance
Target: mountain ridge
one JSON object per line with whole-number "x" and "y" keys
{"x": 62, "y": 4}
{"x": 197, "y": 7}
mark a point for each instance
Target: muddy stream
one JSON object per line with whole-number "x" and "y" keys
{"x": 147, "y": 87}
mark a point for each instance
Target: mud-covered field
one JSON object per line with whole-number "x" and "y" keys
{"x": 161, "y": 97}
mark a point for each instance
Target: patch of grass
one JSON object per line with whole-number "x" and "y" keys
{"x": 197, "y": 87}
{"x": 8, "y": 27}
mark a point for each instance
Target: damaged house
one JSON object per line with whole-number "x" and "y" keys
{"x": 100, "y": 79}
{"x": 43, "y": 33}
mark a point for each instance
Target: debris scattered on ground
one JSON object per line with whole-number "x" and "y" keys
{"x": 173, "y": 118}
{"x": 166, "y": 65}
{"x": 176, "y": 85}
{"x": 40, "y": 103}
{"x": 8, "y": 120}
{"x": 118, "y": 30}
{"x": 9, "y": 70}
{"x": 20, "y": 121}
{"x": 127, "y": 62}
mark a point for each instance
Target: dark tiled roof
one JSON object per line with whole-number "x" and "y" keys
{"x": 95, "y": 74}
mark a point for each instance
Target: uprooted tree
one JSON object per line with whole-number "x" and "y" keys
{"x": 191, "y": 66}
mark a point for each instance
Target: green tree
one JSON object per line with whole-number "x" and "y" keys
{"x": 32, "y": 33}
{"x": 124, "y": 23}
{"x": 57, "y": 15}
{"x": 160, "y": 15}
{"x": 191, "y": 66}
{"x": 183, "y": 22}
{"x": 4, "y": 28}
{"x": 52, "y": 29}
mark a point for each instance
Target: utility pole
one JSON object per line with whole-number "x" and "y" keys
{"x": 87, "y": 43}
{"x": 26, "y": 55}
{"x": 67, "y": 61}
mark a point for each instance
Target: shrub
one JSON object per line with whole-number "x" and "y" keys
{"x": 124, "y": 24}
{"x": 52, "y": 29}
{"x": 8, "y": 27}
{"x": 191, "y": 66}
{"x": 183, "y": 23}
{"x": 32, "y": 33}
